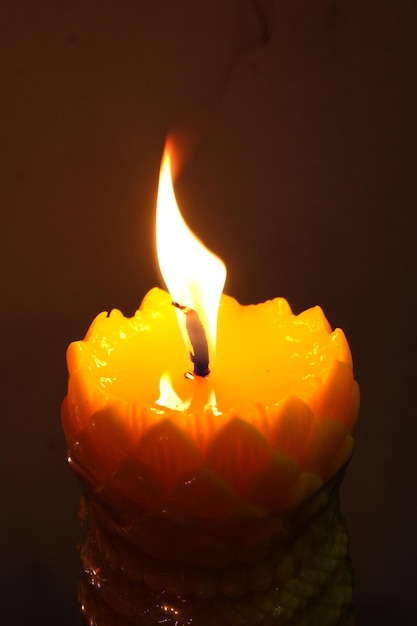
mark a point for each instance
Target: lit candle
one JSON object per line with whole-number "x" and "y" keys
{"x": 210, "y": 451}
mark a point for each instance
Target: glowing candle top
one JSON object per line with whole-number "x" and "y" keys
{"x": 277, "y": 426}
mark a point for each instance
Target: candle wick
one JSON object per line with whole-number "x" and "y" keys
{"x": 198, "y": 340}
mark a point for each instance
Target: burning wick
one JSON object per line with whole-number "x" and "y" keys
{"x": 198, "y": 340}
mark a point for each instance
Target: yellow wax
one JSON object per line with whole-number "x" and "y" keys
{"x": 286, "y": 403}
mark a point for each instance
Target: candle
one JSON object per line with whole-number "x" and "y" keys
{"x": 210, "y": 449}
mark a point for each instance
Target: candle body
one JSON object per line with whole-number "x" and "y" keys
{"x": 203, "y": 505}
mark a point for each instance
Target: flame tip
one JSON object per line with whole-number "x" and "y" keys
{"x": 194, "y": 275}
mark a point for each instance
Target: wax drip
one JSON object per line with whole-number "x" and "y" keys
{"x": 198, "y": 340}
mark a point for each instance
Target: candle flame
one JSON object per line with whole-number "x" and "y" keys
{"x": 168, "y": 397}
{"x": 193, "y": 275}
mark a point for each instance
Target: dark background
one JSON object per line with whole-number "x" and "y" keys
{"x": 304, "y": 183}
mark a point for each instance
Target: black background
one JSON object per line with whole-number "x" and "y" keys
{"x": 304, "y": 183}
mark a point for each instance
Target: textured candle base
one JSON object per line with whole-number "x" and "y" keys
{"x": 298, "y": 573}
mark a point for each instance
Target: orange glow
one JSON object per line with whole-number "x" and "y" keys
{"x": 194, "y": 276}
